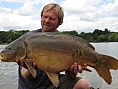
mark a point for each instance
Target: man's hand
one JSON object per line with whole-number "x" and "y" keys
{"x": 75, "y": 68}
{"x": 24, "y": 70}
{"x": 78, "y": 68}
{"x": 21, "y": 62}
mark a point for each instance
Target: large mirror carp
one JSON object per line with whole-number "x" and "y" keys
{"x": 55, "y": 52}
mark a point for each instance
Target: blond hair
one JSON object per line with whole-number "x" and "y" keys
{"x": 57, "y": 8}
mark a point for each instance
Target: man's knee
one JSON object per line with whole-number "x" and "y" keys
{"x": 82, "y": 84}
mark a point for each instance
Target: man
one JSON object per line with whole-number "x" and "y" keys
{"x": 51, "y": 17}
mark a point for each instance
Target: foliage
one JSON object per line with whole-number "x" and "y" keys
{"x": 71, "y": 32}
{"x": 11, "y": 35}
{"x": 95, "y": 36}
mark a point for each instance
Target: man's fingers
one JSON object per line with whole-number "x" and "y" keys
{"x": 79, "y": 69}
{"x": 22, "y": 63}
{"x": 18, "y": 62}
{"x": 75, "y": 67}
{"x": 34, "y": 65}
{"x": 71, "y": 68}
{"x": 31, "y": 62}
{"x": 85, "y": 64}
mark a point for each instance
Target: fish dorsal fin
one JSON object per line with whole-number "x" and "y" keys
{"x": 53, "y": 78}
{"x": 31, "y": 69}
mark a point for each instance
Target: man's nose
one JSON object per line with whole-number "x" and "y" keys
{"x": 47, "y": 19}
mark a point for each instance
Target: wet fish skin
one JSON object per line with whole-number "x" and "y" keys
{"x": 55, "y": 52}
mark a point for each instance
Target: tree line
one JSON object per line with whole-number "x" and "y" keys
{"x": 11, "y": 35}
{"x": 95, "y": 36}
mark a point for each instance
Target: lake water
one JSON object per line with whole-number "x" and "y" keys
{"x": 9, "y": 71}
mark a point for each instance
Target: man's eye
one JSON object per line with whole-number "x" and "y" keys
{"x": 44, "y": 16}
{"x": 52, "y": 18}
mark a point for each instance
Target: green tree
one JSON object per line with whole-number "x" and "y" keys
{"x": 112, "y": 37}
{"x": 82, "y": 34}
{"x": 71, "y": 32}
{"x": 11, "y": 35}
{"x": 106, "y": 31}
{"x": 103, "y": 38}
{"x": 116, "y": 38}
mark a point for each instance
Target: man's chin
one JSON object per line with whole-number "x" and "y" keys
{"x": 46, "y": 29}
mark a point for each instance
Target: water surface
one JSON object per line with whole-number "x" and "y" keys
{"x": 8, "y": 74}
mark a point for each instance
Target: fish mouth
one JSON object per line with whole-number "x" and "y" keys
{"x": 2, "y": 58}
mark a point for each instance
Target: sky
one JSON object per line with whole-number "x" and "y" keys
{"x": 79, "y": 15}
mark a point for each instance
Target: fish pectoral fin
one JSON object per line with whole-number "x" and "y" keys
{"x": 31, "y": 69}
{"x": 53, "y": 78}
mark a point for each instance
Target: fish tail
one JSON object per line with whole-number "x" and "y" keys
{"x": 110, "y": 62}
{"x": 104, "y": 65}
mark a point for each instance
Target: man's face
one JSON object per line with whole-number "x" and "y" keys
{"x": 49, "y": 21}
